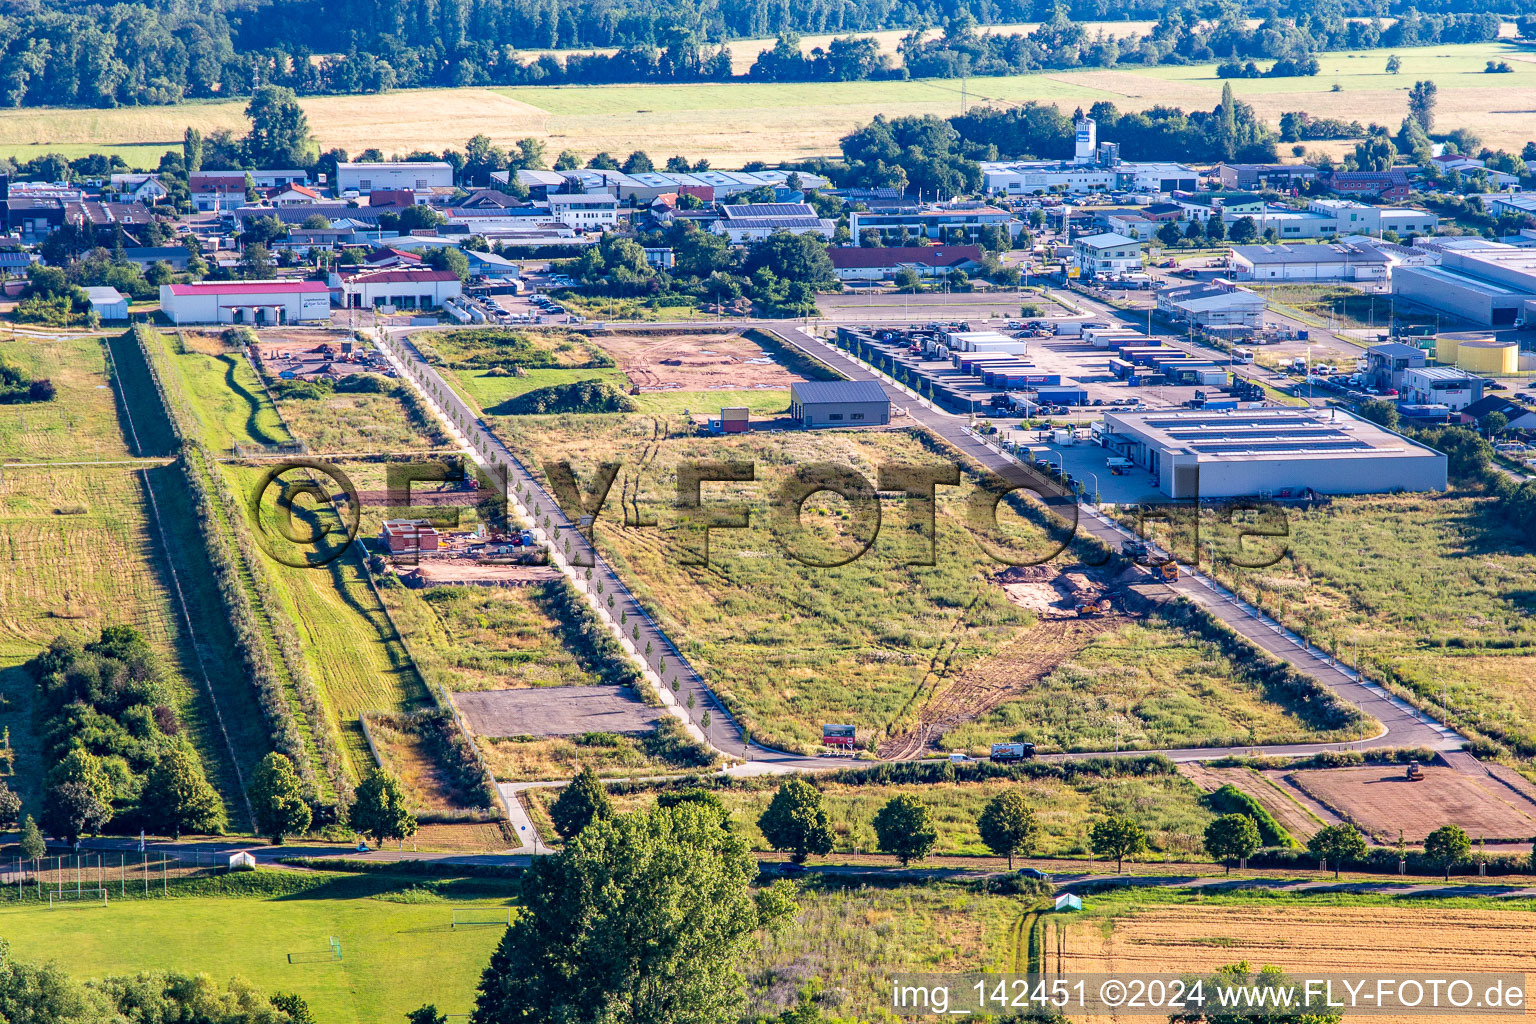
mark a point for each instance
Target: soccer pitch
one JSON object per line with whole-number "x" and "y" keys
{"x": 398, "y": 955}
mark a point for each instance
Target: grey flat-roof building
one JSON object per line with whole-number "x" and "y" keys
{"x": 1385, "y": 364}
{"x": 1492, "y": 284}
{"x": 1218, "y": 303}
{"x": 108, "y": 303}
{"x": 1271, "y": 452}
{"x": 839, "y": 403}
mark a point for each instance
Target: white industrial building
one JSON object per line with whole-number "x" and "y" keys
{"x": 408, "y": 175}
{"x": 1492, "y": 284}
{"x": 399, "y": 287}
{"x": 1441, "y": 385}
{"x": 1107, "y": 253}
{"x": 584, "y": 211}
{"x": 1093, "y": 168}
{"x": 1336, "y": 261}
{"x": 1271, "y": 452}
{"x": 246, "y": 302}
{"x": 1218, "y": 303}
{"x": 645, "y": 186}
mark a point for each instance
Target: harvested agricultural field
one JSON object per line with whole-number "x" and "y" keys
{"x": 1381, "y": 800}
{"x": 1270, "y": 792}
{"x": 80, "y": 423}
{"x": 730, "y": 123}
{"x": 1301, "y": 935}
{"x": 666, "y": 749}
{"x": 661, "y": 361}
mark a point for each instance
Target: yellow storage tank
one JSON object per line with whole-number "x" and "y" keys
{"x": 1445, "y": 350}
{"x": 1493, "y": 358}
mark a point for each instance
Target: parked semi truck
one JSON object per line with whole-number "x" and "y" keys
{"x": 1004, "y": 753}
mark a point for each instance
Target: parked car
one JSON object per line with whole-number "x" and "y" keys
{"x": 1034, "y": 873}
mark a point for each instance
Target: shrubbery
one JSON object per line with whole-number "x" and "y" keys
{"x": 576, "y": 396}
{"x": 16, "y": 387}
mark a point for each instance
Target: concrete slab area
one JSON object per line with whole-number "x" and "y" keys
{"x": 556, "y": 711}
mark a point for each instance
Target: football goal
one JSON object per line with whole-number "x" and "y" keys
{"x": 76, "y": 898}
{"x": 481, "y": 917}
{"x": 330, "y": 955}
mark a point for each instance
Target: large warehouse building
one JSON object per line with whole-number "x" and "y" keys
{"x": 1270, "y": 452}
{"x": 1493, "y": 285}
{"x": 246, "y": 302}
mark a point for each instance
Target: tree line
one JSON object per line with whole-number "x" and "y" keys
{"x": 142, "y": 54}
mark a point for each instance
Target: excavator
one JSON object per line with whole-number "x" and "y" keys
{"x": 1138, "y": 552}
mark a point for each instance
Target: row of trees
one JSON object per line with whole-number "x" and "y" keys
{"x": 140, "y": 53}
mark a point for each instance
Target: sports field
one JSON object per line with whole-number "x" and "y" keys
{"x": 731, "y": 123}
{"x": 397, "y": 946}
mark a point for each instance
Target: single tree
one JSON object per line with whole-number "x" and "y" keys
{"x": 426, "y": 1015}
{"x": 580, "y": 804}
{"x": 1394, "y": 64}
{"x": 1336, "y": 844}
{"x": 904, "y": 827}
{"x": 1215, "y": 229}
{"x": 1446, "y": 846}
{"x": 1243, "y": 231}
{"x": 638, "y": 162}
{"x": 277, "y": 799}
{"x": 908, "y": 281}
{"x": 279, "y": 135}
{"x": 1118, "y": 837}
{"x": 1008, "y": 826}
{"x": 641, "y": 917}
{"x": 73, "y": 809}
{"x": 795, "y": 821}
{"x": 379, "y": 810}
{"x": 1169, "y": 234}
{"x": 177, "y": 797}
{"x": 1232, "y": 837}
{"x": 567, "y": 161}
{"x": 256, "y": 261}
{"x": 1421, "y": 104}
{"x": 10, "y": 805}
{"x": 33, "y": 846}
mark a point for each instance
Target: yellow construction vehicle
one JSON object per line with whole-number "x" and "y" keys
{"x": 1168, "y": 572}
{"x": 1415, "y": 773}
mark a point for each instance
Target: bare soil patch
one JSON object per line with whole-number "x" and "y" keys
{"x": 448, "y": 571}
{"x": 1380, "y": 800}
{"x": 1291, "y": 815}
{"x": 695, "y": 362}
{"x": 556, "y": 711}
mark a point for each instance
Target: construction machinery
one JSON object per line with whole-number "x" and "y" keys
{"x": 1415, "y": 773}
{"x": 1087, "y": 597}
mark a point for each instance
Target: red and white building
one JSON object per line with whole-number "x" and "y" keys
{"x": 398, "y": 287}
{"x": 257, "y": 303}
{"x": 293, "y": 194}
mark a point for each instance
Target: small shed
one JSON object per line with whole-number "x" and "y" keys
{"x": 242, "y": 861}
{"x": 108, "y": 303}
{"x": 1067, "y": 901}
{"x": 734, "y": 419}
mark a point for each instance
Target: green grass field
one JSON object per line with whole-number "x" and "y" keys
{"x": 489, "y": 392}
{"x": 730, "y": 123}
{"x": 222, "y": 390}
{"x": 398, "y": 949}
{"x": 1167, "y": 806}
{"x": 761, "y": 403}
{"x": 81, "y": 422}
{"x": 1432, "y": 591}
{"x": 791, "y": 646}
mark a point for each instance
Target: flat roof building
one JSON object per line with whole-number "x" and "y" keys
{"x": 108, "y": 303}
{"x": 1212, "y": 304}
{"x": 1270, "y": 452}
{"x": 1441, "y": 385}
{"x": 417, "y": 176}
{"x": 1492, "y": 285}
{"x": 839, "y": 403}
{"x": 1107, "y": 253}
{"x": 1336, "y": 261}
{"x": 267, "y": 302}
{"x": 1385, "y": 364}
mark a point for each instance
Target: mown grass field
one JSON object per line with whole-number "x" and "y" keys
{"x": 490, "y": 391}
{"x": 1432, "y": 591}
{"x": 398, "y": 949}
{"x": 81, "y": 422}
{"x": 731, "y": 123}
{"x": 1167, "y": 806}
{"x": 223, "y": 391}
{"x": 761, "y": 403}
{"x": 353, "y": 652}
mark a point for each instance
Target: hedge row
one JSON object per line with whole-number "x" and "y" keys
{"x": 1330, "y": 759}
{"x": 1231, "y": 800}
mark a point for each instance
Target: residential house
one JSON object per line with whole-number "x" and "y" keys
{"x": 590, "y": 211}
{"x": 1106, "y": 253}
{"x": 139, "y": 188}
{"x": 750, "y": 222}
{"x": 292, "y": 194}
{"x": 1392, "y": 185}
{"x": 176, "y": 256}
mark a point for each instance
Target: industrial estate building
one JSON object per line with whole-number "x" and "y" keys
{"x": 1339, "y": 261}
{"x": 1385, "y": 364}
{"x": 1441, "y": 385}
{"x": 1218, "y": 303}
{"x": 1490, "y": 284}
{"x": 1270, "y": 452}
{"x": 840, "y": 403}
{"x": 1094, "y": 167}
{"x": 1106, "y": 253}
{"x": 415, "y": 176}
{"x": 246, "y": 302}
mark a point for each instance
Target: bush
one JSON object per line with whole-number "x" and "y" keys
{"x": 584, "y": 396}
{"x": 1231, "y": 800}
